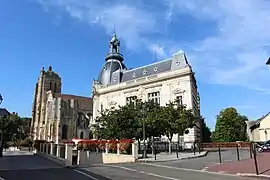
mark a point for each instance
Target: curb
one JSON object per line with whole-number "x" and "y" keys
{"x": 167, "y": 160}
{"x": 59, "y": 161}
{"x": 254, "y": 175}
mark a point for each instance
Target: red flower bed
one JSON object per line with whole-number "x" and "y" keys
{"x": 125, "y": 145}
{"x": 65, "y": 141}
{"x": 88, "y": 144}
{"x": 112, "y": 145}
{"x": 102, "y": 144}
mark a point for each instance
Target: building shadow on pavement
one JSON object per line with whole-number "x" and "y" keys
{"x": 49, "y": 173}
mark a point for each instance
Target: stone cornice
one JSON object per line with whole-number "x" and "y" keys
{"x": 159, "y": 78}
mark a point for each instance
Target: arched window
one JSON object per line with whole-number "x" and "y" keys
{"x": 81, "y": 135}
{"x": 90, "y": 135}
{"x": 64, "y": 131}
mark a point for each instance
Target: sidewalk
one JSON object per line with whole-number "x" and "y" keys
{"x": 245, "y": 167}
{"x": 171, "y": 157}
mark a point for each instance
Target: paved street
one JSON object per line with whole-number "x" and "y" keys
{"x": 22, "y": 166}
{"x": 211, "y": 159}
{"x": 146, "y": 171}
{"x": 245, "y": 166}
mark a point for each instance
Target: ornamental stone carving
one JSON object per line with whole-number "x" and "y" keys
{"x": 112, "y": 103}
{"x": 178, "y": 91}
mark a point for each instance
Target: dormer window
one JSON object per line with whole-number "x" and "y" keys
{"x": 156, "y": 69}
{"x": 144, "y": 72}
{"x": 134, "y": 75}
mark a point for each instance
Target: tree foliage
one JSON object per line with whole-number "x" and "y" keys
{"x": 13, "y": 129}
{"x": 230, "y": 126}
{"x": 127, "y": 121}
{"x": 206, "y": 133}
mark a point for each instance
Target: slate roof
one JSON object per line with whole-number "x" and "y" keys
{"x": 85, "y": 103}
{"x": 178, "y": 61}
{"x": 4, "y": 112}
{"x": 256, "y": 122}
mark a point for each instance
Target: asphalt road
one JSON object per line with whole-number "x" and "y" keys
{"x": 146, "y": 171}
{"x": 210, "y": 159}
{"x": 24, "y": 166}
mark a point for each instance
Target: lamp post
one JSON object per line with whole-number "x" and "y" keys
{"x": 180, "y": 104}
{"x": 144, "y": 145}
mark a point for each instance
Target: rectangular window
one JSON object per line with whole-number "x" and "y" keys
{"x": 179, "y": 100}
{"x": 101, "y": 107}
{"x": 50, "y": 86}
{"x": 154, "y": 96}
{"x": 55, "y": 87}
{"x": 131, "y": 99}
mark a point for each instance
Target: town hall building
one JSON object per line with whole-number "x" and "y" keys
{"x": 167, "y": 80}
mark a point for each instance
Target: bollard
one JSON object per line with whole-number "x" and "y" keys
{"x": 177, "y": 149}
{"x": 155, "y": 152}
{"x": 255, "y": 160}
{"x": 250, "y": 150}
{"x": 219, "y": 155}
{"x": 237, "y": 152}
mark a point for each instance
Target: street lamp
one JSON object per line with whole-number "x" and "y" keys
{"x": 180, "y": 104}
{"x": 144, "y": 145}
{"x": 1, "y": 99}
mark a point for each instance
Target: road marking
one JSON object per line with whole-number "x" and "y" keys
{"x": 142, "y": 172}
{"x": 192, "y": 170}
{"x": 93, "y": 178}
{"x": 2, "y": 178}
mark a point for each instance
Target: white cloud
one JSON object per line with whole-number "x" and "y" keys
{"x": 158, "y": 51}
{"x": 234, "y": 54}
{"x": 238, "y": 52}
{"x": 132, "y": 24}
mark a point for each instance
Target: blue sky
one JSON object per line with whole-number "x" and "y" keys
{"x": 226, "y": 42}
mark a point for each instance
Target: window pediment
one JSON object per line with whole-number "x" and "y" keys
{"x": 178, "y": 91}
{"x": 112, "y": 103}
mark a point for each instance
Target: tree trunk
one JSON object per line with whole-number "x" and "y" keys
{"x": 170, "y": 145}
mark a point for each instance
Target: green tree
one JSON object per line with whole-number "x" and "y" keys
{"x": 118, "y": 123}
{"x": 230, "y": 126}
{"x": 127, "y": 121}
{"x": 177, "y": 119}
{"x": 9, "y": 127}
{"x": 206, "y": 133}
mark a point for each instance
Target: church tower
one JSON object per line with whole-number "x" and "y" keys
{"x": 47, "y": 81}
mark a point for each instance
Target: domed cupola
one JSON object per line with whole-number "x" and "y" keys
{"x": 114, "y": 62}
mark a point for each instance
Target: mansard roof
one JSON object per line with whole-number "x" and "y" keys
{"x": 178, "y": 61}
